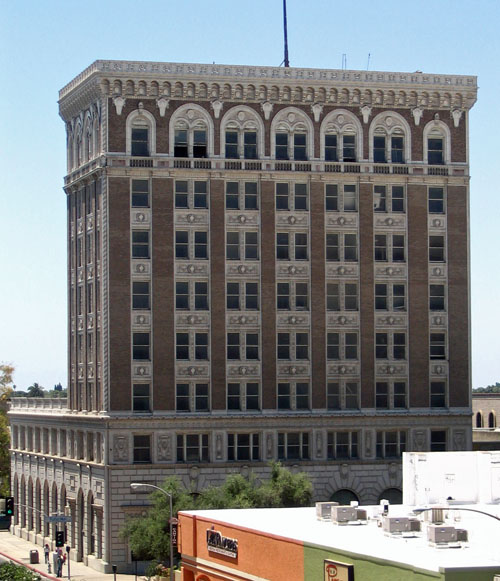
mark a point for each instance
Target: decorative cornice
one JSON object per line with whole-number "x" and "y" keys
{"x": 152, "y": 79}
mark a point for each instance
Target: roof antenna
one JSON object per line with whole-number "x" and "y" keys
{"x": 286, "y": 62}
{"x": 368, "y": 63}
{"x": 344, "y": 61}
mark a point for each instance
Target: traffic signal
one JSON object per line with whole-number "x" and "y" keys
{"x": 9, "y": 505}
{"x": 60, "y": 540}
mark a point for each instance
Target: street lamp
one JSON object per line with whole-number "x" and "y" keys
{"x": 135, "y": 486}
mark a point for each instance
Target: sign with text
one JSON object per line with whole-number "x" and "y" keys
{"x": 217, "y": 543}
{"x": 335, "y": 571}
{"x": 174, "y": 534}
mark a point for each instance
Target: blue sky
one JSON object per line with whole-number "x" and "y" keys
{"x": 45, "y": 43}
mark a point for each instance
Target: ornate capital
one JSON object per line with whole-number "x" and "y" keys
{"x": 317, "y": 109}
{"x": 456, "y": 115}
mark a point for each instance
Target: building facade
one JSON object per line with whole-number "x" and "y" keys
{"x": 263, "y": 264}
{"x": 485, "y": 428}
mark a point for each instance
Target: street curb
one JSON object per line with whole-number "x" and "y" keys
{"x": 18, "y": 562}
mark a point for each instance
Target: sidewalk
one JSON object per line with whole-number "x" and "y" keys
{"x": 18, "y": 550}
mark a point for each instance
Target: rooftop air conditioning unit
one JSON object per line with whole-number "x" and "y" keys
{"x": 441, "y": 534}
{"x": 344, "y": 514}
{"x": 324, "y": 510}
{"x": 393, "y": 524}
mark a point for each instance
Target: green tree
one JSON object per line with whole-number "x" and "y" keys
{"x": 6, "y": 373}
{"x": 12, "y": 572}
{"x": 36, "y": 390}
{"x": 148, "y": 536}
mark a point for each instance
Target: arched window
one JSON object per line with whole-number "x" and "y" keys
{"x": 191, "y": 132}
{"x": 393, "y": 495}
{"x": 341, "y": 137}
{"x": 492, "y": 420}
{"x": 141, "y": 133}
{"x": 344, "y": 496}
{"x": 389, "y": 138}
{"x": 292, "y": 135}
{"x": 436, "y": 143}
{"x": 243, "y": 132}
{"x": 479, "y": 420}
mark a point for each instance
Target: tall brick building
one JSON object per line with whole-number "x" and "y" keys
{"x": 263, "y": 264}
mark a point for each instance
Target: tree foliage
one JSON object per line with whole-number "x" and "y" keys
{"x": 36, "y": 390}
{"x": 12, "y": 572}
{"x": 148, "y": 536}
{"x": 488, "y": 389}
{"x": 6, "y": 373}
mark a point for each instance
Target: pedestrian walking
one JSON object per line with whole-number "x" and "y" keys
{"x": 60, "y": 563}
{"x": 46, "y": 552}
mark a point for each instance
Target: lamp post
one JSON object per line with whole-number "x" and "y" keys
{"x": 135, "y": 486}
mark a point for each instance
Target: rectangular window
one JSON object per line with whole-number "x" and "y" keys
{"x": 182, "y": 295}
{"x": 300, "y": 246}
{"x": 142, "y": 449}
{"x": 140, "y": 346}
{"x": 344, "y": 201}
{"x": 333, "y": 296}
{"x": 342, "y": 445}
{"x": 436, "y": 297}
{"x": 200, "y": 245}
{"x": 140, "y": 194}
{"x": 333, "y": 400}
{"x": 140, "y": 295}
{"x": 233, "y": 295}
{"x": 252, "y": 296}
{"x": 382, "y": 395}
{"x": 299, "y": 146}
{"x": 232, "y": 144}
{"x": 293, "y": 446}
{"x": 201, "y": 397}
{"x": 284, "y": 396}
{"x": 381, "y": 345}
{"x": 398, "y": 248}
{"x": 436, "y": 200}
{"x": 437, "y": 346}
{"x": 398, "y": 199}
{"x": 390, "y": 444}
{"x": 351, "y": 396}
{"x": 282, "y": 196}
{"x": 397, "y": 149}
{"x": 379, "y": 149}
{"x": 399, "y": 392}
{"x": 301, "y": 346}
{"x": 292, "y": 296}
{"x": 283, "y": 295}
{"x": 200, "y": 195}
{"x": 251, "y": 246}
{"x": 192, "y": 448}
{"x": 182, "y": 244}
{"x": 301, "y": 296}
{"x": 139, "y": 142}
{"x": 438, "y": 441}
{"x": 331, "y": 197}
{"x": 232, "y": 245}
{"x": 381, "y": 297}
{"x": 141, "y": 398}
{"x": 182, "y": 346}
{"x": 390, "y": 297}
{"x": 379, "y": 199}
{"x": 182, "y": 398}
{"x": 243, "y": 447}
{"x": 199, "y": 143}
{"x": 282, "y": 252}
{"x": 181, "y": 194}
{"x": 301, "y": 197}
{"x": 250, "y": 145}
{"x": 233, "y": 346}
{"x": 349, "y": 148}
{"x": 350, "y": 247}
{"x": 281, "y": 151}
{"x": 380, "y": 247}
{"x": 232, "y": 195}
{"x": 140, "y": 244}
{"x": 201, "y": 296}
{"x": 242, "y": 396}
{"x": 435, "y": 151}
{"x": 251, "y": 196}
{"x": 283, "y": 345}
{"x": 331, "y": 147}
{"x": 351, "y": 345}
{"x": 399, "y": 346}
{"x": 436, "y": 248}
{"x": 438, "y": 394}
{"x": 332, "y": 247}
{"x": 181, "y": 143}
{"x": 201, "y": 346}
{"x": 333, "y": 346}
{"x": 252, "y": 346}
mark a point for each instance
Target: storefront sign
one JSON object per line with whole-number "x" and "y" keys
{"x": 174, "y": 534}
{"x": 335, "y": 571}
{"x": 217, "y": 543}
